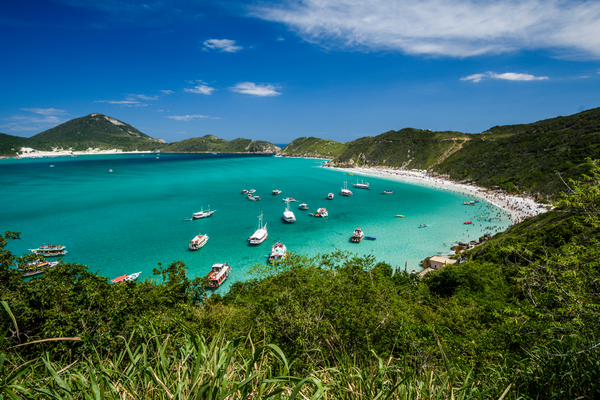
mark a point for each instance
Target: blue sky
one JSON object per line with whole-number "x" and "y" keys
{"x": 276, "y": 71}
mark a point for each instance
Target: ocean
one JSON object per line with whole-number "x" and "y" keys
{"x": 128, "y": 220}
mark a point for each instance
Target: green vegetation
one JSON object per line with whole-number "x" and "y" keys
{"x": 10, "y": 145}
{"x": 518, "y": 319}
{"x": 534, "y": 157}
{"x": 407, "y": 148}
{"x": 314, "y": 147}
{"x": 94, "y": 131}
{"x": 210, "y": 143}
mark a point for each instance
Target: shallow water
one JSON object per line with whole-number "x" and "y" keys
{"x": 130, "y": 219}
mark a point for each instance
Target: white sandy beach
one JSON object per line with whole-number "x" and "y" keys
{"x": 516, "y": 207}
{"x": 28, "y": 152}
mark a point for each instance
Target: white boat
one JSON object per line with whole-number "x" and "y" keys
{"x": 345, "y": 191}
{"x": 303, "y": 206}
{"x": 289, "y": 199}
{"x": 218, "y": 274}
{"x": 357, "y": 236}
{"x": 251, "y": 191}
{"x": 321, "y": 212}
{"x": 276, "y": 191}
{"x": 388, "y": 191}
{"x": 204, "y": 214}
{"x": 50, "y": 250}
{"x": 288, "y": 215}
{"x": 244, "y": 191}
{"x": 330, "y": 196}
{"x": 198, "y": 241}
{"x": 132, "y": 277}
{"x": 253, "y": 198}
{"x": 278, "y": 252}
{"x": 261, "y": 233}
{"x": 361, "y": 185}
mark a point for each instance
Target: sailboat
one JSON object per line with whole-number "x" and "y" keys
{"x": 203, "y": 214}
{"x": 261, "y": 233}
{"x": 345, "y": 191}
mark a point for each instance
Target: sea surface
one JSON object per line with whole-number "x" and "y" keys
{"x": 128, "y": 220}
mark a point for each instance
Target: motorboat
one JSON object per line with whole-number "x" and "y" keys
{"x": 289, "y": 199}
{"x": 276, "y": 191}
{"x": 133, "y": 277}
{"x": 370, "y": 238}
{"x": 251, "y": 191}
{"x": 469, "y": 203}
{"x": 278, "y": 252}
{"x": 37, "y": 267}
{"x": 423, "y": 226}
{"x": 388, "y": 191}
{"x": 198, "y": 242}
{"x": 50, "y": 250}
{"x": 303, "y": 206}
{"x": 253, "y": 198}
{"x": 361, "y": 185}
{"x": 244, "y": 191}
{"x": 468, "y": 223}
{"x": 357, "y": 236}
{"x": 288, "y": 215}
{"x": 345, "y": 191}
{"x": 330, "y": 196}
{"x": 321, "y": 212}
{"x": 400, "y": 215}
{"x": 204, "y": 214}
{"x": 126, "y": 278}
{"x": 218, "y": 274}
{"x": 261, "y": 233}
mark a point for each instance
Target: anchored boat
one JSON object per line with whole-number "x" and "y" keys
{"x": 357, "y": 236}
{"x": 218, "y": 274}
{"x": 261, "y": 233}
{"x": 204, "y": 214}
{"x": 198, "y": 242}
{"x": 50, "y": 250}
{"x": 278, "y": 252}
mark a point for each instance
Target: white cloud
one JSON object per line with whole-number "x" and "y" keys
{"x": 187, "y": 117}
{"x": 141, "y": 97}
{"x": 167, "y": 91}
{"x": 280, "y": 38}
{"x": 45, "y": 111}
{"x": 255, "y": 90}
{"x": 200, "y": 89}
{"x": 509, "y": 76}
{"x": 127, "y": 103}
{"x": 456, "y": 28}
{"x": 224, "y": 45}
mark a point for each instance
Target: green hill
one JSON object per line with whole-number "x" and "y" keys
{"x": 534, "y": 157}
{"x": 314, "y": 147}
{"x": 211, "y": 143}
{"x": 406, "y": 148}
{"x": 9, "y": 144}
{"x": 94, "y": 131}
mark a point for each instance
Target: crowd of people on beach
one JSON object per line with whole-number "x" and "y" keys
{"x": 518, "y": 207}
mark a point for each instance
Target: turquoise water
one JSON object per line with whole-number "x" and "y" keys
{"x": 130, "y": 219}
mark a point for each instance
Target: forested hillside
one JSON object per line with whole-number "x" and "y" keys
{"x": 211, "y": 143}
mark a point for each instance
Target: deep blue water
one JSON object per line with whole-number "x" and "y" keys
{"x": 130, "y": 219}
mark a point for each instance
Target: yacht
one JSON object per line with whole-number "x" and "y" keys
{"x": 50, "y": 250}
{"x": 198, "y": 242}
{"x": 218, "y": 274}
{"x": 330, "y": 196}
{"x": 345, "y": 191}
{"x": 261, "y": 233}
{"x": 204, "y": 214}
{"x": 357, "y": 236}
{"x": 361, "y": 185}
{"x": 321, "y": 212}
{"x": 288, "y": 215}
{"x": 278, "y": 252}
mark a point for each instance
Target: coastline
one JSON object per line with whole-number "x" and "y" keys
{"x": 32, "y": 153}
{"x": 517, "y": 208}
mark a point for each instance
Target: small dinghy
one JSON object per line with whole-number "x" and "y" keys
{"x": 370, "y": 238}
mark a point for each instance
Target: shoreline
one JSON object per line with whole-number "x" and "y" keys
{"x": 517, "y": 208}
